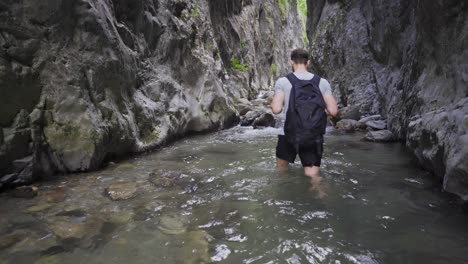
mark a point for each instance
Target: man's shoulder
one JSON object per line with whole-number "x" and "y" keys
{"x": 282, "y": 81}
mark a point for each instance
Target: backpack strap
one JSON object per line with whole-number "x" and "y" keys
{"x": 292, "y": 79}
{"x": 316, "y": 80}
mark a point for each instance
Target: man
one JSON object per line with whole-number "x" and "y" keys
{"x": 286, "y": 152}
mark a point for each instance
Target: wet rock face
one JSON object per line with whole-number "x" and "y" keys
{"x": 405, "y": 61}
{"x": 85, "y": 81}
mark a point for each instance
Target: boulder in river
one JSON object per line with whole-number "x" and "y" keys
{"x": 376, "y": 124}
{"x": 349, "y": 112}
{"x": 361, "y": 124}
{"x": 250, "y": 117}
{"x": 265, "y": 120}
{"x": 379, "y": 136}
{"x": 347, "y": 125}
{"x": 121, "y": 191}
{"x": 243, "y": 109}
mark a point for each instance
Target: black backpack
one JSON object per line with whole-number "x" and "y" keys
{"x": 306, "y": 119}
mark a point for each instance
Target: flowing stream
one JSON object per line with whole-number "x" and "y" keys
{"x": 221, "y": 200}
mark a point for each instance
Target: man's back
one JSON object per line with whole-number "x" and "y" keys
{"x": 284, "y": 85}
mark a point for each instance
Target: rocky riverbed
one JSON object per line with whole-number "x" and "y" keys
{"x": 217, "y": 198}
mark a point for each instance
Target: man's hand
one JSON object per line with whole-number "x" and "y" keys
{"x": 331, "y": 106}
{"x": 277, "y": 103}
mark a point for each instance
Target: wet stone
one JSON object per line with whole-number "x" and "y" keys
{"x": 121, "y": 217}
{"x": 121, "y": 191}
{"x": 22, "y": 220}
{"x": 27, "y": 192}
{"x": 8, "y": 178}
{"x": 164, "y": 179}
{"x": 20, "y": 164}
{"x": 54, "y": 196}
{"x": 38, "y": 208}
{"x": 379, "y": 136}
{"x": 171, "y": 225}
{"x": 346, "y": 125}
{"x": 250, "y": 117}
{"x": 196, "y": 248}
{"x": 265, "y": 120}
{"x": 361, "y": 124}
{"x": 376, "y": 124}
{"x": 72, "y": 212}
{"x": 67, "y": 230}
{"x": 49, "y": 260}
{"x": 122, "y": 166}
{"x": 9, "y": 240}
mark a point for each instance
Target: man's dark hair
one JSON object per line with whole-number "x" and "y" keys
{"x": 300, "y": 56}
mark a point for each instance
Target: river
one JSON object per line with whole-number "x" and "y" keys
{"x": 224, "y": 202}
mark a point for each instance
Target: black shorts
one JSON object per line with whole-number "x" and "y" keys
{"x": 310, "y": 155}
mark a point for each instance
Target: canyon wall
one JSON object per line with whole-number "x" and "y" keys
{"x": 405, "y": 60}
{"x": 86, "y": 81}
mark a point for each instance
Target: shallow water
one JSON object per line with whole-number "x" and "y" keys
{"x": 229, "y": 205}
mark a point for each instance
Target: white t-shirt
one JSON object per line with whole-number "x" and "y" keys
{"x": 284, "y": 86}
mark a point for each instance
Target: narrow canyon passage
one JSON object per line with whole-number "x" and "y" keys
{"x": 218, "y": 198}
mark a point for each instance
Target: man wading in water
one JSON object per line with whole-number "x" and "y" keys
{"x": 303, "y": 99}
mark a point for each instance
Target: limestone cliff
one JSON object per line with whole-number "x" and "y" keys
{"x": 405, "y": 60}
{"x": 84, "y": 81}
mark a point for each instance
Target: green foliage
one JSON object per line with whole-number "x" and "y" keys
{"x": 284, "y": 8}
{"x": 302, "y": 10}
{"x": 195, "y": 12}
{"x": 239, "y": 66}
{"x": 302, "y": 7}
{"x": 274, "y": 70}
{"x": 210, "y": 47}
{"x": 343, "y": 3}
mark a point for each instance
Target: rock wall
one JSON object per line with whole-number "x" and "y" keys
{"x": 405, "y": 60}
{"x": 84, "y": 81}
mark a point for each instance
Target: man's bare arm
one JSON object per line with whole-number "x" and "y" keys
{"x": 277, "y": 103}
{"x": 331, "y": 105}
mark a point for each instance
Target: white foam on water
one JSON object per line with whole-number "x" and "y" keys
{"x": 238, "y": 238}
{"x": 222, "y": 252}
{"x": 414, "y": 181}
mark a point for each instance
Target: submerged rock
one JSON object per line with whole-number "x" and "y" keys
{"x": 164, "y": 179}
{"x": 9, "y": 240}
{"x": 49, "y": 260}
{"x": 379, "y": 136}
{"x": 196, "y": 247}
{"x": 54, "y": 196}
{"x": 27, "y": 192}
{"x": 122, "y": 191}
{"x": 122, "y": 217}
{"x": 346, "y": 125}
{"x": 38, "y": 208}
{"x": 68, "y": 230}
{"x": 172, "y": 224}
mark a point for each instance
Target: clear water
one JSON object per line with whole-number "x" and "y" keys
{"x": 231, "y": 206}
